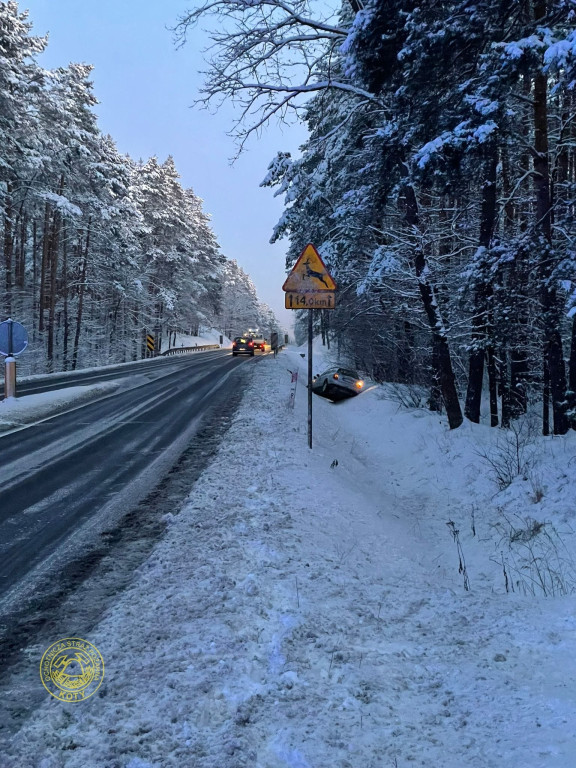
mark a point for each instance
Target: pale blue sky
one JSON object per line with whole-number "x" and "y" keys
{"x": 146, "y": 87}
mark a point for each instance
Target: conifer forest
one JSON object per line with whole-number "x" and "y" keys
{"x": 437, "y": 180}
{"x": 97, "y": 249}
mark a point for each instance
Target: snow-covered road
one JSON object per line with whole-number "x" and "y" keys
{"x": 303, "y": 613}
{"x": 16, "y": 412}
{"x": 67, "y": 479}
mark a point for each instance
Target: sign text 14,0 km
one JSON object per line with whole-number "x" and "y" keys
{"x": 316, "y": 300}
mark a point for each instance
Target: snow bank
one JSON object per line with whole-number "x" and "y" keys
{"x": 207, "y": 336}
{"x": 314, "y": 615}
{"x": 18, "y": 411}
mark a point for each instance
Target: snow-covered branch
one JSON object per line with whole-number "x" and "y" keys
{"x": 269, "y": 57}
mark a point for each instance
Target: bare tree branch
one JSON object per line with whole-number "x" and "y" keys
{"x": 268, "y": 57}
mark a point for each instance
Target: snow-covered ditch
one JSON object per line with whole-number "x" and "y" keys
{"x": 305, "y": 609}
{"x": 18, "y": 411}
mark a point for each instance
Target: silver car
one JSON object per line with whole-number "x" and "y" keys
{"x": 337, "y": 383}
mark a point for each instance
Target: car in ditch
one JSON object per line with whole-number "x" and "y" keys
{"x": 243, "y": 345}
{"x": 337, "y": 383}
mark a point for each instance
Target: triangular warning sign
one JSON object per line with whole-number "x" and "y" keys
{"x": 309, "y": 274}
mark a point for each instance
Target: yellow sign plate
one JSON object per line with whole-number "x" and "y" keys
{"x": 319, "y": 300}
{"x": 309, "y": 274}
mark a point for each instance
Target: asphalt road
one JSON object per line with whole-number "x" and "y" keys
{"x": 158, "y": 366}
{"x": 68, "y": 477}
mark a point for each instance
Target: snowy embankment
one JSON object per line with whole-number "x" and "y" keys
{"x": 305, "y": 608}
{"x": 17, "y": 412}
{"x": 207, "y": 336}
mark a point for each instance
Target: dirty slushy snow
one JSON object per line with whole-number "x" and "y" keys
{"x": 303, "y": 613}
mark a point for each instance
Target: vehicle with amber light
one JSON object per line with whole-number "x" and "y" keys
{"x": 337, "y": 383}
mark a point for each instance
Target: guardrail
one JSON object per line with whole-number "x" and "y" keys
{"x": 184, "y": 350}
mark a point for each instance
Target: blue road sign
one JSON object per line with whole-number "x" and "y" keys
{"x": 13, "y": 338}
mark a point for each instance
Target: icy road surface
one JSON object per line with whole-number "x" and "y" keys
{"x": 64, "y": 479}
{"x": 313, "y": 616}
{"x": 149, "y": 368}
{"x": 16, "y": 412}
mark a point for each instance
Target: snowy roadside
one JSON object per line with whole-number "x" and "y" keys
{"x": 303, "y": 613}
{"x": 18, "y": 411}
{"x": 210, "y": 337}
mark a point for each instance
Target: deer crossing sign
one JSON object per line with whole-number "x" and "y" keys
{"x": 309, "y": 274}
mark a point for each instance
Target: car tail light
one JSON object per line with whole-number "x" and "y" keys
{"x": 359, "y": 384}
{"x": 336, "y": 376}
{"x": 250, "y": 343}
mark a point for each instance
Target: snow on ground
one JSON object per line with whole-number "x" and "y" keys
{"x": 206, "y": 336}
{"x": 93, "y": 369}
{"x": 17, "y": 411}
{"x": 305, "y": 608}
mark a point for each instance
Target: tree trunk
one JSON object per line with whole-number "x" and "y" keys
{"x": 439, "y": 339}
{"x": 44, "y": 266}
{"x": 435, "y": 401}
{"x": 8, "y": 248}
{"x": 505, "y": 389}
{"x": 475, "y": 379}
{"x": 572, "y": 374}
{"x": 480, "y": 318}
{"x": 545, "y": 398}
{"x": 21, "y": 261}
{"x": 492, "y": 385}
{"x": 548, "y": 298}
{"x": 53, "y": 262}
{"x": 563, "y": 177}
{"x": 514, "y": 375}
{"x": 34, "y": 275}
{"x": 519, "y": 374}
{"x": 81, "y": 290}
{"x": 65, "y": 298}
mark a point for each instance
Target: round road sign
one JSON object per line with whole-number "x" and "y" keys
{"x": 13, "y": 338}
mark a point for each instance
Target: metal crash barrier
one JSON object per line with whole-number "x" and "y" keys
{"x": 185, "y": 350}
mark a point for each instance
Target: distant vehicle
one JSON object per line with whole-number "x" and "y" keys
{"x": 258, "y": 338}
{"x": 337, "y": 383}
{"x": 243, "y": 345}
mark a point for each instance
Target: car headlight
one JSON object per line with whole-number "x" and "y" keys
{"x": 359, "y": 384}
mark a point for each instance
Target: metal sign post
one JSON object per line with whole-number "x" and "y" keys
{"x": 309, "y": 286}
{"x": 310, "y": 330}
